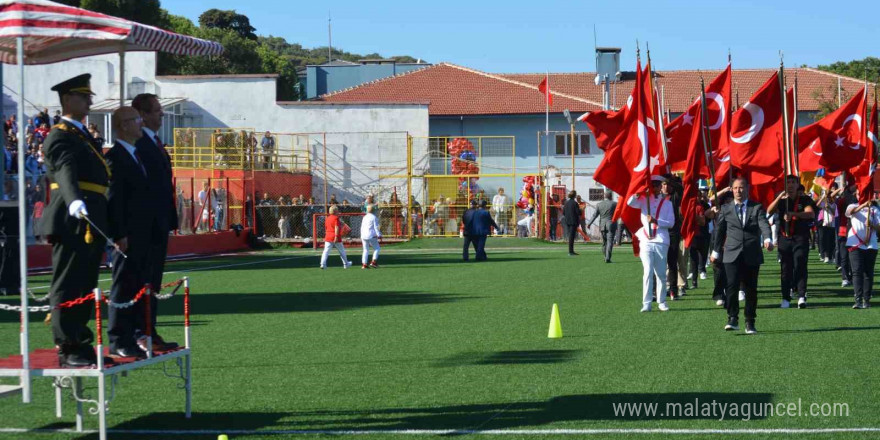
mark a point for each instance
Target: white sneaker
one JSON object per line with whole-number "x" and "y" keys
{"x": 663, "y": 307}
{"x": 646, "y": 308}
{"x": 719, "y": 303}
{"x": 347, "y": 265}
{"x": 702, "y": 275}
{"x": 323, "y": 267}
{"x": 802, "y": 302}
{"x": 742, "y": 295}
{"x": 844, "y": 283}
{"x": 690, "y": 276}
{"x": 785, "y": 304}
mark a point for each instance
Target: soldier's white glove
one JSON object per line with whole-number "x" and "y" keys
{"x": 77, "y": 208}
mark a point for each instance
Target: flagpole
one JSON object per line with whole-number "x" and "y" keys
{"x": 547, "y": 105}
{"x": 729, "y": 116}
{"x": 786, "y": 144}
{"x": 657, "y": 114}
{"x": 707, "y": 139}
{"x": 795, "y": 140}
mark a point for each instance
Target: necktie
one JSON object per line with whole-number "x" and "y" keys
{"x": 158, "y": 141}
{"x": 739, "y": 213}
{"x": 140, "y": 162}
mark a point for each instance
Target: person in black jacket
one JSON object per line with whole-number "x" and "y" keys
{"x": 80, "y": 179}
{"x": 467, "y": 231}
{"x": 130, "y": 229}
{"x": 571, "y": 218}
{"x": 158, "y": 165}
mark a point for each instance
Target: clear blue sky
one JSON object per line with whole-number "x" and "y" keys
{"x": 534, "y": 36}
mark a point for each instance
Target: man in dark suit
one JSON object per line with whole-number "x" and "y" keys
{"x": 80, "y": 179}
{"x": 132, "y": 218}
{"x": 483, "y": 225}
{"x": 740, "y": 226}
{"x": 605, "y": 212}
{"x": 467, "y": 230}
{"x": 571, "y": 218}
{"x": 158, "y": 165}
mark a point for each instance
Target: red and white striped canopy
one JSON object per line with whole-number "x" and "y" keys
{"x": 54, "y": 32}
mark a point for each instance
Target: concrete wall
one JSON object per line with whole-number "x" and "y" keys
{"x": 321, "y": 80}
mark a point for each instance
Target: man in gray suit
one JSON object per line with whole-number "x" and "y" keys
{"x": 608, "y": 228}
{"x": 740, "y": 227}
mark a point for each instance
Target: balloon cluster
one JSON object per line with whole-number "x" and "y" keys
{"x": 527, "y": 195}
{"x": 464, "y": 161}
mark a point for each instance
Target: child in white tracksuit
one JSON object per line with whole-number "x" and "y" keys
{"x": 657, "y": 217}
{"x": 370, "y": 236}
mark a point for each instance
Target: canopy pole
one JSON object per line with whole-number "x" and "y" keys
{"x": 121, "y": 75}
{"x": 22, "y": 231}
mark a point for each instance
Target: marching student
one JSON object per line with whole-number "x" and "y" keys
{"x": 370, "y": 236}
{"x": 333, "y": 232}
{"x": 864, "y": 224}
{"x": 739, "y": 228}
{"x": 657, "y": 217}
{"x": 795, "y": 214}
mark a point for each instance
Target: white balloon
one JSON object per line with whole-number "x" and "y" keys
{"x": 757, "y": 114}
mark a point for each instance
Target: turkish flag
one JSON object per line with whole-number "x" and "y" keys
{"x": 756, "y": 131}
{"x": 627, "y": 167}
{"x": 607, "y": 125}
{"x": 695, "y": 167}
{"x": 679, "y": 131}
{"x": 864, "y": 171}
{"x": 841, "y": 136}
{"x": 545, "y": 89}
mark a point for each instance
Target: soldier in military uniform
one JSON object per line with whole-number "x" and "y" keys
{"x": 80, "y": 179}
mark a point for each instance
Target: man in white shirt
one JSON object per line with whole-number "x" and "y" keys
{"x": 657, "y": 217}
{"x": 499, "y": 211}
{"x": 861, "y": 240}
{"x": 203, "y": 209}
{"x": 370, "y": 236}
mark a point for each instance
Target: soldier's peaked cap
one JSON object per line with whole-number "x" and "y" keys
{"x": 77, "y": 84}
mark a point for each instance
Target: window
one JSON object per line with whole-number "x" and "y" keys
{"x": 563, "y": 145}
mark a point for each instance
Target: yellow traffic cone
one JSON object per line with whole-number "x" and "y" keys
{"x": 555, "y": 331}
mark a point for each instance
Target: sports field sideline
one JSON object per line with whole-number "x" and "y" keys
{"x": 427, "y": 345}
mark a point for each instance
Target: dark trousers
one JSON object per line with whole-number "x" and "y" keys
{"x": 827, "y": 242}
{"x": 699, "y": 251}
{"x": 672, "y": 263}
{"x": 155, "y": 267}
{"x": 720, "y": 282}
{"x": 740, "y": 272}
{"x": 608, "y": 236}
{"x": 843, "y": 259}
{"x": 553, "y": 222}
{"x": 480, "y": 245}
{"x": 794, "y": 252}
{"x": 465, "y": 251}
{"x": 129, "y": 276}
{"x": 74, "y": 274}
{"x": 863, "y": 272}
{"x": 572, "y": 233}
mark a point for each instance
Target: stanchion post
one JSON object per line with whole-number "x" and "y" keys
{"x": 148, "y": 321}
{"x": 102, "y": 379}
{"x": 186, "y": 341}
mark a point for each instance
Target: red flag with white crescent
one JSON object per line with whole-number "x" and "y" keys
{"x": 864, "y": 172}
{"x": 756, "y": 131}
{"x": 542, "y": 87}
{"x": 841, "y": 137}
{"x": 607, "y": 125}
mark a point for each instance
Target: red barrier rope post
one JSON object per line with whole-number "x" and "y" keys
{"x": 99, "y": 328}
{"x": 186, "y": 329}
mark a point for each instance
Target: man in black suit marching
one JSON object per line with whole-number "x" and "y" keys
{"x": 130, "y": 229}
{"x": 80, "y": 179}
{"x": 739, "y": 228}
{"x": 158, "y": 165}
{"x": 605, "y": 212}
{"x": 571, "y": 217}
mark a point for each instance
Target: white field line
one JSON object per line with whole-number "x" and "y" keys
{"x": 785, "y": 431}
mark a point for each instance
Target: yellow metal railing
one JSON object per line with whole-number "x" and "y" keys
{"x": 239, "y": 149}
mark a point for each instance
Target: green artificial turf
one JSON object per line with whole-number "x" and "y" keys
{"x": 429, "y": 342}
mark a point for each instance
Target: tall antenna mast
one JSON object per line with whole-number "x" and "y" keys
{"x": 329, "y": 39}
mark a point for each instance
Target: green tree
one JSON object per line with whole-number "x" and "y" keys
{"x": 869, "y": 66}
{"x": 231, "y": 20}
